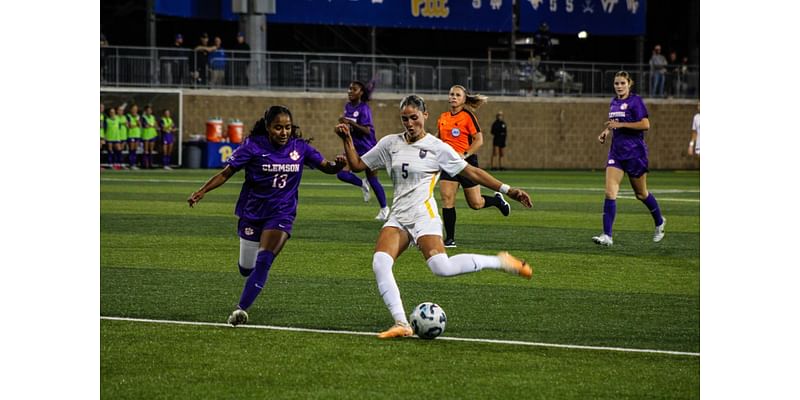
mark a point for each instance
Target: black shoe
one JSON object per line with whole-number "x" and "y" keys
{"x": 504, "y": 207}
{"x": 450, "y": 243}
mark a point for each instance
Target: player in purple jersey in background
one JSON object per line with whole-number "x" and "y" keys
{"x": 628, "y": 119}
{"x": 358, "y": 115}
{"x": 272, "y": 157}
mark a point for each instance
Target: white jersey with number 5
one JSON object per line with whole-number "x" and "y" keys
{"x": 414, "y": 169}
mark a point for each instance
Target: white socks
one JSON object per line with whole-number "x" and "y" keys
{"x": 248, "y": 250}
{"x": 459, "y": 264}
{"x": 387, "y": 286}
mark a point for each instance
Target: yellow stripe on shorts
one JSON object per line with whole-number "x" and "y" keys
{"x": 430, "y": 194}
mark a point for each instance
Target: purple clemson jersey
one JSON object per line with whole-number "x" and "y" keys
{"x": 272, "y": 176}
{"x": 361, "y": 114}
{"x": 627, "y": 143}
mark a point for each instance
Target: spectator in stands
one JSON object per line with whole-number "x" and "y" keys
{"x": 134, "y": 134}
{"x": 149, "y": 135}
{"x": 628, "y": 120}
{"x": 459, "y": 129}
{"x": 241, "y": 63}
{"x": 103, "y": 57}
{"x": 694, "y": 142}
{"x": 167, "y": 126}
{"x": 683, "y": 77}
{"x": 542, "y": 46}
{"x": 358, "y": 115}
{"x": 273, "y": 158}
{"x": 672, "y": 79}
{"x": 201, "y": 52}
{"x": 217, "y": 61}
{"x": 177, "y": 61}
{"x": 499, "y": 132}
{"x": 658, "y": 70}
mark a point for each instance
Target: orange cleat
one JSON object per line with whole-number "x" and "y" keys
{"x": 400, "y": 329}
{"x": 515, "y": 266}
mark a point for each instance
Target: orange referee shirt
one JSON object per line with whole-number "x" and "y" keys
{"x": 457, "y": 130}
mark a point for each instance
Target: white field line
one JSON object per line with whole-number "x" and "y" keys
{"x": 455, "y": 339}
{"x": 532, "y": 188}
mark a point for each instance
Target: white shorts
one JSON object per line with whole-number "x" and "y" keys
{"x": 426, "y": 226}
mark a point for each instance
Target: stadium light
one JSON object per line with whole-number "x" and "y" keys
{"x": 583, "y": 35}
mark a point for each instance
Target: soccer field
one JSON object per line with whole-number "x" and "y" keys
{"x": 594, "y": 322}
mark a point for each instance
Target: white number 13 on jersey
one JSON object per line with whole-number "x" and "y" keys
{"x": 279, "y": 181}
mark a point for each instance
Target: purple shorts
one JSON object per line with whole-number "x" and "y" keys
{"x": 168, "y": 138}
{"x": 635, "y": 167}
{"x": 251, "y": 230}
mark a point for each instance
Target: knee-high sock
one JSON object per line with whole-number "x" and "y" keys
{"x": 256, "y": 280}
{"x": 609, "y": 213}
{"x": 387, "y": 286}
{"x": 459, "y": 264}
{"x": 490, "y": 201}
{"x": 117, "y": 156}
{"x": 132, "y": 156}
{"x": 377, "y": 188}
{"x": 167, "y": 160}
{"x": 349, "y": 177}
{"x": 655, "y": 210}
{"x": 449, "y": 219}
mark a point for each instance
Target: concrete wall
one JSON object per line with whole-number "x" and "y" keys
{"x": 557, "y": 133}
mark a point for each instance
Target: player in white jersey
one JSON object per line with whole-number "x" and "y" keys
{"x": 694, "y": 142}
{"x": 414, "y": 159}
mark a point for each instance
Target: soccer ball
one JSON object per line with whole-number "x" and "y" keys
{"x": 428, "y": 320}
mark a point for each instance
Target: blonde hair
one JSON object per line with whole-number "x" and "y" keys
{"x": 626, "y": 75}
{"x": 473, "y": 101}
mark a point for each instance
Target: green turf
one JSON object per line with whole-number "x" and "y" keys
{"x": 162, "y": 260}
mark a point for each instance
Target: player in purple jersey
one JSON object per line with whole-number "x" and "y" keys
{"x": 272, "y": 157}
{"x": 358, "y": 115}
{"x": 628, "y": 120}
{"x": 415, "y": 159}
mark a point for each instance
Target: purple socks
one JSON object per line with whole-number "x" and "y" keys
{"x": 349, "y": 177}
{"x": 609, "y": 213}
{"x": 257, "y": 279}
{"x": 377, "y": 188}
{"x": 655, "y": 211}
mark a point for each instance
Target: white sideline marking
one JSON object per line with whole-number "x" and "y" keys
{"x": 540, "y": 188}
{"x": 455, "y": 339}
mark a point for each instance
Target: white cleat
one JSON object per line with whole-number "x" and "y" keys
{"x": 603, "y": 240}
{"x": 237, "y": 317}
{"x": 365, "y": 189}
{"x": 383, "y": 214}
{"x": 659, "y": 233}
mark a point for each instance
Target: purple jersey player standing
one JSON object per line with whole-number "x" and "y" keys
{"x": 358, "y": 115}
{"x": 272, "y": 157}
{"x": 628, "y": 119}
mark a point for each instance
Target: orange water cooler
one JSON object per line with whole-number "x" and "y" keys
{"x": 214, "y": 130}
{"x": 235, "y": 131}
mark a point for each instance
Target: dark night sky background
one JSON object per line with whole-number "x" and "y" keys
{"x": 674, "y": 24}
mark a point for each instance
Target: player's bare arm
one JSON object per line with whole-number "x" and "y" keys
{"x": 216, "y": 181}
{"x": 353, "y": 160}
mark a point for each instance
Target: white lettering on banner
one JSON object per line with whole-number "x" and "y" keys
{"x": 496, "y": 4}
{"x": 633, "y": 6}
{"x": 536, "y": 3}
{"x": 588, "y": 7}
{"x": 570, "y": 6}
{"x": 608, "y": 5}
{"x": 553, "y": 6}
{"x": 476, "y": 4}
{"x": 430, "y": 8}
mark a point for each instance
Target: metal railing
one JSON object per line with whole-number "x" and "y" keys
{"x": 185, "y": 68}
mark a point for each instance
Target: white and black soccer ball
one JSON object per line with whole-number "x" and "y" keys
{"x": 428, "y": 320}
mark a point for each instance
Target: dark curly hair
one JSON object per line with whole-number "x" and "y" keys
{"x": 260, "y": 127}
